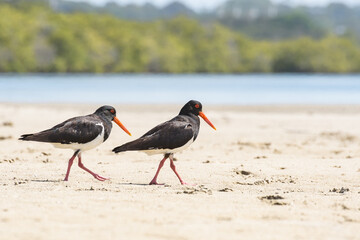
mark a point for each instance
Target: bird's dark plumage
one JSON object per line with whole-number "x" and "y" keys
{"x": 80, "y": 130}
{"x": 171, "y": 134}
{"x": 170, "y": 137}
{"x": 75, "y": 130}
{"x": 80, "y": 134}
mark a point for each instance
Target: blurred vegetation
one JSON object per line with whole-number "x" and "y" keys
{"x": 34, "y": 38}
{"x": 259, "y": 19}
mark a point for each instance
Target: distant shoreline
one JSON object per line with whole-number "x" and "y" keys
{"x": 270, "y": 108}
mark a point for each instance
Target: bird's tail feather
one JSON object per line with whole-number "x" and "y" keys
{"x": 26, "y": 137}
{"x": 119, "y": 149}
{"x": 38, "y": 137}
{"x": 130, "y": 146}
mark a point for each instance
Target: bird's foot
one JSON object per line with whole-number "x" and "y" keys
{"x": 188, "y": 184}
{"x": 155, "y": 183}
{"x": 100, "y": 178}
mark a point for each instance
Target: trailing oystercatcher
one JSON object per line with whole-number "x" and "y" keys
{"x": 80, "y": 134}
{"x": 170, "y": 137}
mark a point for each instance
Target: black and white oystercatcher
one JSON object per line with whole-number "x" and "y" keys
{"x": 80, "y": 134}
{"x": 170, "y": 137}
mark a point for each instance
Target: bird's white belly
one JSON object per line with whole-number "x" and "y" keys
{"x": 84, "y": 146}
{"x": 164, "y": 151}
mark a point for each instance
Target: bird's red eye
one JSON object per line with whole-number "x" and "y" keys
{"x": 197, "y": 105}
{"x": 112, "y": 111}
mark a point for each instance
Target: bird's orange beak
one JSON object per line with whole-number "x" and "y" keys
{"x": 201, "y": 114}
{"x": 116, "y": 120}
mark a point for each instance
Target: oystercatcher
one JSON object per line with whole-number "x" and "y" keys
{"x": 80, "y": 134}
{"x": 170, "y": 137}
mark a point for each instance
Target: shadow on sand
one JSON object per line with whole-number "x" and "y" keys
{"x": 135, "y": 184}
{"x": 47, "y": 180}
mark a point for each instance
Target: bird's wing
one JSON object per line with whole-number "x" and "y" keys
{"x": 74, "y": 130}
{"x": 169, "y": 135}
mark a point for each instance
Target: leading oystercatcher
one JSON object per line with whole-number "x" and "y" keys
{"x": 170, "y": 137}
{"x": 80, "y": 134}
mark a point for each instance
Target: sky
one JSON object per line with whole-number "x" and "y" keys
{"x": 209, "y": 4}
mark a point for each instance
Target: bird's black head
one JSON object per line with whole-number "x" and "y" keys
{"x": 195, "y": 107}
{"x": 109, "y": 113}
{"x": 192, "y": 106}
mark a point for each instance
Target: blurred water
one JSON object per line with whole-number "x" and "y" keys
{"x": 162, "y": 88}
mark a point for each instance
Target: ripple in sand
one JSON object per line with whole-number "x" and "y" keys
{"x": 273, "y": 200}
{"x": 339, "y": 190}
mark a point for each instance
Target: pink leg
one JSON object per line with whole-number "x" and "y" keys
{"x": 172, "y": 165}
{"x": 81, "y": 165}
{"x": 161, "y": 164}
{"x": 71, "y": 160}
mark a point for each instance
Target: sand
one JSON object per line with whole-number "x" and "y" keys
{"x": 268, "y": 172}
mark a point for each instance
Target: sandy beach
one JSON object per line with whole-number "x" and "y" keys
{"x": 268, "y": 172}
